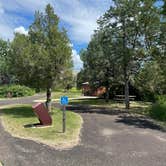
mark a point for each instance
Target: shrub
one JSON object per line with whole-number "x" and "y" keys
{"x": 160, "y": 99}
{"x": 158, "y": 110}
{"x": 15, "y": 91}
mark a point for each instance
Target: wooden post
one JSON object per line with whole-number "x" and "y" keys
{"x": 64, "y": 118}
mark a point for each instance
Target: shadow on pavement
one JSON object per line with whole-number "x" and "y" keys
{"x": 97, "y": 110}
{"x": 125, "y": 117}
{"x": 139, "y": 122}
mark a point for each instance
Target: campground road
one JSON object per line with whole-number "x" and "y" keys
{"x": 107, "y": 139}
{"x": 21, "y": 100}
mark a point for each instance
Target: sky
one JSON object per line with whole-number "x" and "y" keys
{"x": 78, "y": 17}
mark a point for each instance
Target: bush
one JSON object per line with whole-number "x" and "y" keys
{"x": 160, "y": 99}
{"x": 15, "y": 91}
{"x": 158, "y": 110}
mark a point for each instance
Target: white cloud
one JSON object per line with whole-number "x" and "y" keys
{"x": 21, "y": 30}
{"x": 78, "y": 16}
{"x": 25, "y": 6}
{"x": 81, "y": 16}
{"x": 71, "y": 45}
{"x": 76, "y": 60}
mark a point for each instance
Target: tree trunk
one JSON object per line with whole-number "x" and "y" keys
{"x": 127, "y": 101}
{"x": 107, "y": 94}
{"x": 48, "y": 99}
{"x": 126, "y": 62}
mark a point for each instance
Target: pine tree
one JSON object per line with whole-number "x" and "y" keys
{"x": 44, "y": 54}
{"x": 133, "y": 28}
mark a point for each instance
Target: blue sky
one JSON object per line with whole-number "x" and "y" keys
{"x": 77, "y": 16}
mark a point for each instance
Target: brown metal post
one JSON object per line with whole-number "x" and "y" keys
{"x": 64, "y": 118}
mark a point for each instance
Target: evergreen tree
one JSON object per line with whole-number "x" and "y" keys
{"x": 133, "y": 28}
{"x": 41, "y": 58}
{"x": 4, "y": 58}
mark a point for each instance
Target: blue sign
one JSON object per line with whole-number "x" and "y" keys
{"x": 64, "y": 100}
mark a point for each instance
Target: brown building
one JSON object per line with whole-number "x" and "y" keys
{"x": 87, "y": 91}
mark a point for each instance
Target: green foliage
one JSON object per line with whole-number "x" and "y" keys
{"x": 127, "y": 46}
{"x": 15, "y": 91}
{"x": 4, "y": 54}
{"x": 72, "y": 93}
{"x": 82, "y": 77}
{"x": 43, "y": 57}
{"x": 160, "y": 99}
{"x": 158, "y": 109}
{"x": 151, "y": 81}
{"x": 67, "y": 80}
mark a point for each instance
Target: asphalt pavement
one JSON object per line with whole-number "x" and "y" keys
{"x": 108, "y": 138}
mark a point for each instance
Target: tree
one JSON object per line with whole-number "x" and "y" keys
{"x": 67, "y": 80}
{"x": 4, "y": 55}
{"x": 21, "y": 60}
{"x": 151, "y": 83}
{"x": 98, "y": 63}
{"x": 133, "y": 27}
{"x": 41, "y": 58}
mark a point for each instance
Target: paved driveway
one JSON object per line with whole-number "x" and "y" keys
{"x": 21, "y": 100}
{"x": 107, "y": 139}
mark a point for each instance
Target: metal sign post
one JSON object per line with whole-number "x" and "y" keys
{"x": 64, "y": 118}
{"x": 64, "y": 102}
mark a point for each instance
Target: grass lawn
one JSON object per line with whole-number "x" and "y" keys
{"x": 111, "y": 104}
{"x": 14, "y": 119}
{"x": 72, "y": 93}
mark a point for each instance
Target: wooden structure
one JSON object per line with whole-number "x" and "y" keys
{"x": 85, "y": 88}
{"x": 43, "y": 115}
{"x": 121, "y": 98}
{"x": 87, "y": 91}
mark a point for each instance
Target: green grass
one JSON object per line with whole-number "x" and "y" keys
{"x": 110, "y": 104}
{"x": 14, "y": 119}
{"x": 72, "y": 93}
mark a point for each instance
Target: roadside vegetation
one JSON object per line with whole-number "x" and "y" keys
{"x": 18, "y": 121}
{"x": 158, "y": 109}
{"x": 9, "y": 91}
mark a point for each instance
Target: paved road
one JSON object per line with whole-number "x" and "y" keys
{"x": 21, "y": 100}
{"x": 109, "y": 139}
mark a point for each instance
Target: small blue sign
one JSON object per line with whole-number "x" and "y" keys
{"x": 64, "y": 100}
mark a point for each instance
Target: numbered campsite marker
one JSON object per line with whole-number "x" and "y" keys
{"x": 64, "y": 101}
